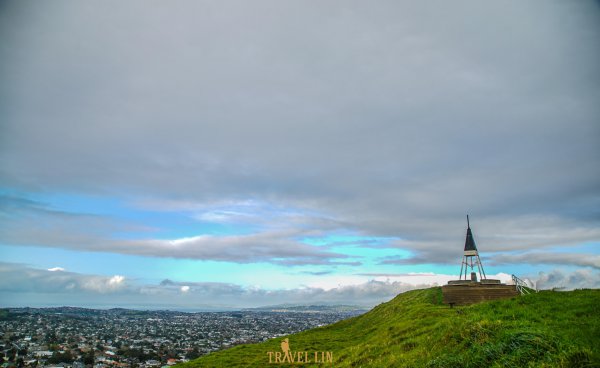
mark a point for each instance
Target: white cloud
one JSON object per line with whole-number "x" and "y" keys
{"x": 116, "y": 280}
{"x": 185, "y": 289}
{"x": 102, "y": 284}
{"x": 54, "y": 269}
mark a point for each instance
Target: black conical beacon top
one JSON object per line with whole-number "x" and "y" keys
{"x": 469, "y": 242}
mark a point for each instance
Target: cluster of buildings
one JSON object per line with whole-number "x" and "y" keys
{"x": 76, "y": 337}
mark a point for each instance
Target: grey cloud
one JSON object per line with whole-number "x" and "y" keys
{"x": 18, "y": 281}
{"x": 495, "y": 236}
{"x": 396, "y": 274}
{"x": 210, "y": 290}
{"x": 410, "y": 260}
{"x": 294, "y": 262}
{"x": 32, "y": 223}
{"x": 20, "y": 278}
{"x": 167, "y": 282}
{"x": 578, "y": 279}
{"x": 263, "y": 247}
{"x": 393, "y": 120}
{"x": 317, "y": 273}
{"x": 573, "y": 259}
{"x": 369, "y": 293}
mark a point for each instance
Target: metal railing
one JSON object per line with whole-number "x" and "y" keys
{"x": 522, "y": 286}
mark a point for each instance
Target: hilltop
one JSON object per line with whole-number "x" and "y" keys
{"x": 545, "y": 329}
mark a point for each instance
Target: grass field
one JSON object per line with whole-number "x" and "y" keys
{"x": 545, "y": 329}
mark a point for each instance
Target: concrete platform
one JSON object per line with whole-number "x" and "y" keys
{"x": 470, "y": 292}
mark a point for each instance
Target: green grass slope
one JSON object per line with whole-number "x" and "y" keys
{"x": 547, "y": 329}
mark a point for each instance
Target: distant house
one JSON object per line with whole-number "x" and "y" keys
{"x": 152, "y": 363}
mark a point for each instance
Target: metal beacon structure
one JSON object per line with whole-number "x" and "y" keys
{"x": 469, "y": 288}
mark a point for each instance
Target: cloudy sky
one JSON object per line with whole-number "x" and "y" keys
{"x": 198, "y": 154}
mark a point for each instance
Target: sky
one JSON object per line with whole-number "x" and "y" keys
{"x": 227, "y": 154}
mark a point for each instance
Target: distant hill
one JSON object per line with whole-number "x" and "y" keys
{"x": 546, "y": 329}
{"x": 309, "y": 308}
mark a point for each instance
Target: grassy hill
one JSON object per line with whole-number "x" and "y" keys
{"x": 547, "y": 329}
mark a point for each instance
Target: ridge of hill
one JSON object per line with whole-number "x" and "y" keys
{"x": 545, "y": 329}
{"x": 312, "y": 308}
